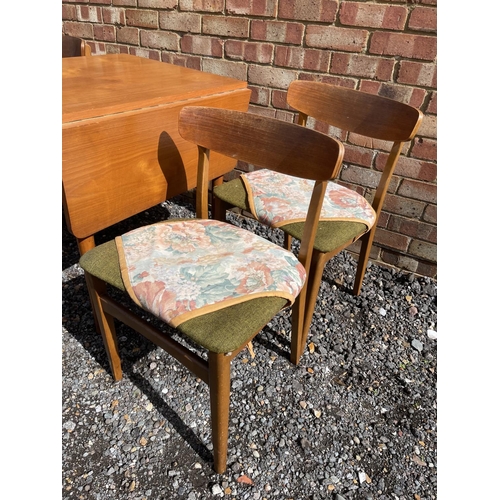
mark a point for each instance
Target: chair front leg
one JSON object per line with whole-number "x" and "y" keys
{"x": 219, "y": 381}
{"x": 298, "y": 337}
{"x": 364, "y": 255}
{"x": 96, "y": 288}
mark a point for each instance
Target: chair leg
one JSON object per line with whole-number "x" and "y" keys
{"x": 219, "y": 381}
{"x": 298, "y": 338}
{"x": 288, "y": 242}
{"x": 219, "y": 208}
{"x": 316, "y": 269}
{"x": 364, "y": 255}
{"x": 96, "y": 288}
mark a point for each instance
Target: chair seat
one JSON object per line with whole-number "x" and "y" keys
{"x": 331, "y": 235}
{"x": 214, "y": 331}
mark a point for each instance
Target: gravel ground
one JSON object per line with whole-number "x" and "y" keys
{"x": 355, "y": 420}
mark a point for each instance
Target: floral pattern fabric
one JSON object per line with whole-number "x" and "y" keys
{"x": 277, "y": 199}
{"x": 178, "y": 270}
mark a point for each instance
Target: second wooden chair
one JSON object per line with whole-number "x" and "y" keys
{"x": 347, "y": 216}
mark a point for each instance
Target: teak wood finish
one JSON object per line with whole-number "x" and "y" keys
{"x": 381, "y": 121}
{"x": 274, "y": 144}
{"x": 121, "y": 149}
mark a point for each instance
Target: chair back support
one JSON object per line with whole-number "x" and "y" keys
{"x": 269, "y": 143}
{"x": 355, "y": 111}
{"x": 280, "y": 146}
{"x": 366, "y": 114}
{"x": 74, "y": 47}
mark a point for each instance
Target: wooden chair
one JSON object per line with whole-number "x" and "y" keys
{"x": 74, "y": 47}
{"x": 244, "y": 294}
{"x": 379, "y": 120}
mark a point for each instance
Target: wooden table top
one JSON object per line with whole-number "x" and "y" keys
{"x": 114, "y": 83}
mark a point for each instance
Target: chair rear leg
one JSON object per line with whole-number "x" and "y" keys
{"x": 364, "y": 255}
{"x": 219, "y": 208}
{"x": 219, "y": 381}
{"x": 96, "y": 288}
{"x": 318, "y": 263}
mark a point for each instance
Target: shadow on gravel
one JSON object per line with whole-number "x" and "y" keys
{"x": 171, "y": 416}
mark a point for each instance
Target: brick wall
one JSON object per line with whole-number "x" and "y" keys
{"x": 382, "y": 47}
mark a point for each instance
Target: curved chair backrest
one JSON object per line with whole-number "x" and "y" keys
{"x": 361, "y": 113}
{"x": 355, "y": 111}
{"x": 74, "y": 47}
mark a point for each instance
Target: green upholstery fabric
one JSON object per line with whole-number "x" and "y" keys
{"x": 331, "y": 234}
{"x": 220, "y": 331}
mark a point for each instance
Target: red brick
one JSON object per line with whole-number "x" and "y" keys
{"x": 409, "y": 95}
{"x": 193, "y": 62}
{"x": 160, "y": 40}
{"x": 333, "y": 38}
{"x": 285, "y": 116}
{"x": 116, "y": 49}
{"x": 157, "y": 4}
{"x": 432, "y": 106}
{"x": 68, "y": 13}
{"x": 349, "y": 83}
{"x": 411, "y": 168}
{"x": 263, "y": 8}
{"x": 276, "y": 31}
{"x": 202, "y": 45}
{"x": 147, "y": 54}
{"x": 308, "y": 10}
{"x": 358, "y": 156}
{"x": 297, "y": 57}
{"x": 392, "y": 240}
{"x": 102, "y": 2}
{"x": 425, "y": 149}
{"x": 279, "y": 99}
{"x": 421, "y": 74}
{"x": 426, "y": 269}
{"x": 89, "y": 14}
{"x": 378, "y": 68}
{"x": 105, "y": 32}
{"x": 80, "y": 30}
{"x": 98, "y": 49}
{"x": 267, "y": 76}
{"x": 405, "y": 45}
{"x": 428, "y": 128}
{"x": 142, "y": 18}
{"x": 403, "y": 206}
{"x": 258, "y": 110}
{"x": 418, "y": 190}
{"x": 202, "y": 5}
{"x": 430, "y": 214}
{"x": 373, "y": 15}
{"x": 423, "y": 19}
{"x": 324, "y": 128}
{"x": 360, "y": 175}
{"x": 127, "y": 35}
{"x": 260, "y": 95}
{"x": 413, "y": 228}
{"x": 427, "y": 251}
{"x": 231, "y": 69}
{"x": 125, "y": 3}
{"x": 226, "y": 26}
{"x": 398, "y": 260}
{"x": 249, "y": 51}
{"x": 180, "y": 21}
{"x": 113, "y": 16}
